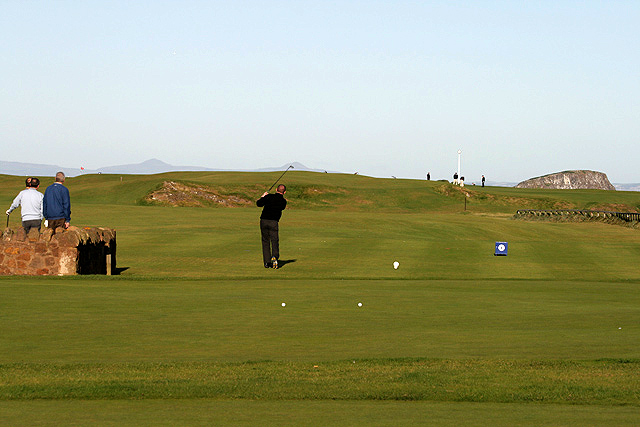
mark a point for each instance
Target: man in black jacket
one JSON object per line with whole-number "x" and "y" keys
{"x": 272, "y": 206}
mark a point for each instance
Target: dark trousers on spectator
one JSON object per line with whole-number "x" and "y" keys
{"x": 270, "y": 242}
{"x": 32, "y": 223}
{"x": 55, "y": 223}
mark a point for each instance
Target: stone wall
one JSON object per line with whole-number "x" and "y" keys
{"x": 87, "y": 250}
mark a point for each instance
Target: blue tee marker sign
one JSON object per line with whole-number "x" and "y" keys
{"x": 501, "y": 249}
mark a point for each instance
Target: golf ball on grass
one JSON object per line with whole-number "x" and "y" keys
{"x": 396, "y": 264}
{"x": 359, "y": 304}
{"x": 284, "y": 304}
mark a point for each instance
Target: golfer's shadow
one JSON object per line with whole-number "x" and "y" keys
{"x": 283, "y": 262}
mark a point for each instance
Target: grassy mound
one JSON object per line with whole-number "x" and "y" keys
{"x": 309, "y": 190}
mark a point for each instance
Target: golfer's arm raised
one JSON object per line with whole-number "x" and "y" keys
{"x": 260, "y": 202}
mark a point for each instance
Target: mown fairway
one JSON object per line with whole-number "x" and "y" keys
{"x": 193, "y": 330}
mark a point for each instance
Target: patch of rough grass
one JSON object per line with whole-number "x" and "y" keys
{"x": 576, "y": 218}
{"x": 611, "y": 207}
{"x": 601, "y": 382}
{"x": 481, "y": 197}
{"x": 173, "y": 193}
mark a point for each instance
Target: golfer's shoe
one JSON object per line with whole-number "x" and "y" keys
{"x": 267, "y": 265}
{"x": 274, "y": 262}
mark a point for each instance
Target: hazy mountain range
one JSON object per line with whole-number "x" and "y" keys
{"x": 147, "y": 167}
{"x": 153, "y": 166}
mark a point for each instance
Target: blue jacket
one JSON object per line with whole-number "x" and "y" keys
{"x": 56, "y": 203}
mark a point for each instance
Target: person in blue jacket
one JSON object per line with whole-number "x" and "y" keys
{"x": 57, "y": 204}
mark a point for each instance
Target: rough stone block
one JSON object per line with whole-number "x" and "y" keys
{"x": 37, "y": 262}
{"x": 92, "y": 235}
{"x": 7, "y": 234}
{"x": 34, "y": 235}
{"x": 12, "y": 250}
{"x": 67, "y": 238}
{"x": 67, "y": 262}
{"x": 46, "y": 235}
{"x": 20, "y": 235}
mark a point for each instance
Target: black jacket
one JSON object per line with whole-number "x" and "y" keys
{"x": 273, "y": 204}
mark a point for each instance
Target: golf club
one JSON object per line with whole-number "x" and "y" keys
{"x": 290, "y": 167}
{"x": 7, "y": 220}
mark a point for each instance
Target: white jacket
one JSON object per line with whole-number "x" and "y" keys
{"x": 31, "y": 201}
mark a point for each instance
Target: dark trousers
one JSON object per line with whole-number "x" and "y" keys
{"x": 270, "y": 242}
{"x": 55, "y": 223}
{"x": 32, "y": 223}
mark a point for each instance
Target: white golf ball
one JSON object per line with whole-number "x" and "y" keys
{"x": 396, "y": 264}
{"x": 359, "y": 304}
{"x": 284, "y": 304}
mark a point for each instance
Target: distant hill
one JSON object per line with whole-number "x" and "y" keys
{"x": 35, "y": 169}
{"x": 155, "y": 166}
{"x": 627, "y": 187}
{"x": 148, "y": 167}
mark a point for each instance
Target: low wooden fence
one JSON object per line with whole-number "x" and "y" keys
{"x": 625, "y": 216}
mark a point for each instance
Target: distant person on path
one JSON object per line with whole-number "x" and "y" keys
{"x": 57, "y": 204}
{"x": 428, "y": 176}
{"x": 455, "y": 178}
{"x": 30, "y": 200}
{"x": 483, "y": 180}
{"x": 272, "y": 206}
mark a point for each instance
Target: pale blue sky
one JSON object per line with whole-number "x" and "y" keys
{"x": 380, "y": 87}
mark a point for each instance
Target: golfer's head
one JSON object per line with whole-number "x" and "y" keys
{"x": 35, "y": 183}
{"x": 60, "y": 177}
{"x": 281, "y": 189}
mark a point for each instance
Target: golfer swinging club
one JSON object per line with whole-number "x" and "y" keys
{"x": 272, "y": 206}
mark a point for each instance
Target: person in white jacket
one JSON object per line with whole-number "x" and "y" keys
{"x": 30, "y": 200}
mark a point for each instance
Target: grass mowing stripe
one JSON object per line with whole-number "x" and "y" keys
{"x": 215, "y": 412}
{"x": 602, "y": 382}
